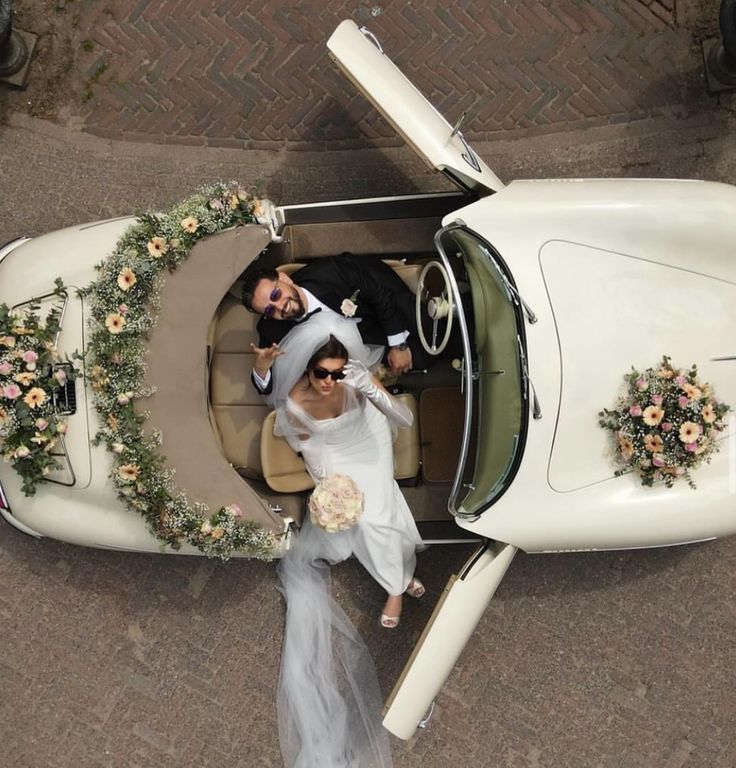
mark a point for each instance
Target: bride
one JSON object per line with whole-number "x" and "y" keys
{"x": 339, "y": 417}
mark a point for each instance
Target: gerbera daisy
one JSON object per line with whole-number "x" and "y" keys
{"x": 157, "y": 247}
{"x": 190, "y": 224}
{"x": 126, "y": 278}
{"x": 114, "y": 322}
{"x": 689, "y": 432}
{"x": 652, "y": 415}
{"x": 626, "y": 447}
{"x": 653, "y": 443}
{"x": 35, "y": 397}
{"x": 708, "y": 413}
{"x": 129, "y": 472}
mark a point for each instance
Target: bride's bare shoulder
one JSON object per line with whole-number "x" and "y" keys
{"x": 299, "y": 391}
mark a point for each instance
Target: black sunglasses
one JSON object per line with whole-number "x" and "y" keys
{"x": 274, "y": 296}
{"x": 322, "y": 373}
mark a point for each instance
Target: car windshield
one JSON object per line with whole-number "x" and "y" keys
{"x": 495, "y": 381}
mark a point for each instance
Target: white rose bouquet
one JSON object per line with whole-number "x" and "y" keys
{"x": 336, "y": 504}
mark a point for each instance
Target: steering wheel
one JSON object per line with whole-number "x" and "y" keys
{"x": 438, "y": 308}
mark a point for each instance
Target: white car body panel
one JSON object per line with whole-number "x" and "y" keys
{"x": 455, "y": 617}
{"x": 678, "y": 234}
{"x": 408, "y": 111}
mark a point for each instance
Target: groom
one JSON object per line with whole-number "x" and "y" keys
{"x": 362, "y": 288}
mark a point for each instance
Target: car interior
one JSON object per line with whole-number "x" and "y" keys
{"x": 426, "y": 455}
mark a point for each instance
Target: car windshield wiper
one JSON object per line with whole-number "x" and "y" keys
{"x": 511, "y": 288}
{"x": 536, "y": 410}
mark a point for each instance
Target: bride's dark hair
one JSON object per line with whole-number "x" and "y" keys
{"x": 333, "y": 348}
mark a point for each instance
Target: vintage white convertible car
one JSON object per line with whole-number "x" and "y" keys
{"x": 552, "y": 290}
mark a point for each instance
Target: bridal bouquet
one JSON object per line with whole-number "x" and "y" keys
{"x": 336, "y": 504}
{"x": 666, "y": 424}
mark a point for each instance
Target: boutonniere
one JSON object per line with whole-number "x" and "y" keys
{"x": 349, "y": 306}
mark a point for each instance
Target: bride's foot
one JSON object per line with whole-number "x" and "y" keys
{"x": 391, "y": 612}
{"x": 415, "y": 588}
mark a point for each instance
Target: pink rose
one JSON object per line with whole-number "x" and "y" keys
{"x": 235, "y": 510}
{"x": 666, "y": 426}
{"x": 5, "y": 367}
{"x": 680, "y": 381}
{"x": 682, "y": 401}
{"x": 635, "y": 410}
{"x": 691, "y": 447}
{"x": 642, "y": 384}
{"x": 657, "y": 460}
{"x": 12, "y": 391}
{"x": 657, "y": 399}
{"x": 29, "y": 356}
{"x": 41, "y": 424}
{"x": 123, "y": 309}
{"x": 123, "y": 399}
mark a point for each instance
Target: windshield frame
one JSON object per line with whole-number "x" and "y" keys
{"x": 470, "y": 376}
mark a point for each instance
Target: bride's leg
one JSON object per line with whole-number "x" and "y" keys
{"x": 391, "y": 612}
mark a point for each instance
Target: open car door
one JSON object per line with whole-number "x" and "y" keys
{"x": 455, "y": 616}
{"x": 361, "y": 58}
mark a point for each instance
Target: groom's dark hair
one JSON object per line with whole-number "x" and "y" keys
{"x": 251, "y": 278}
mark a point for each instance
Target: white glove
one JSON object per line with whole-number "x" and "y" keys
{"x": 359, "y": 378}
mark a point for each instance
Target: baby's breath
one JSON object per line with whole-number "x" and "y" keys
{"x": 665, "y": 425}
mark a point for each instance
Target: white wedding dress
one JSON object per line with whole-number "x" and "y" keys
{"x": 359, "y": 443}
{"x": 328, "y": 700}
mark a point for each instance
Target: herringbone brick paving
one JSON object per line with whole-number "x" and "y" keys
{"x": 251, "y": 75}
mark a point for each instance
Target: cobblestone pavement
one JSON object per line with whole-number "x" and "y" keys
{"x": 249, "y": 75}
{"x": 605, "y": 660}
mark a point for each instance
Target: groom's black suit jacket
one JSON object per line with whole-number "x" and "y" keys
{"x": 384, "y": 303}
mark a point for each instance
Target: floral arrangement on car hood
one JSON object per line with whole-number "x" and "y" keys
{"x": 665, "y": 425}
{"x": 31, "y": 375}
{"x": 123, "y": 302}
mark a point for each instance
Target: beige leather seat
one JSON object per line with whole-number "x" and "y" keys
{"x": 283, "y": 469}
{"x": 409, "y": 273}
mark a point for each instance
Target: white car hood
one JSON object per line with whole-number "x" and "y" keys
{"x": 613, "y": 311}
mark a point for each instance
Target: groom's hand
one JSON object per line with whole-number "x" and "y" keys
{"x": 265, "y": 357}
{"x": 399, "y": 360}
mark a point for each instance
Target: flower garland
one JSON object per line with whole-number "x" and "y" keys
{"x": 665, "y": 425}
{"x": 31, "y": 375}
{"x": 124, "y": 300}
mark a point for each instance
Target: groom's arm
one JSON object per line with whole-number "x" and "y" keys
{"x": 264, "y": 355}
{"x": 263, "y": 385}
{"x": 381, "y": 289}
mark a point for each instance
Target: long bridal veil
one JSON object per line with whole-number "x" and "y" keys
{"x": 328, "y": 699}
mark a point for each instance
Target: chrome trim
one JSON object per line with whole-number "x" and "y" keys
{"x": 65, "y": 294}
{"x": 367, "y": 33}
{"x": 466, "y": 372}
{"x": 4, "y": 503}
